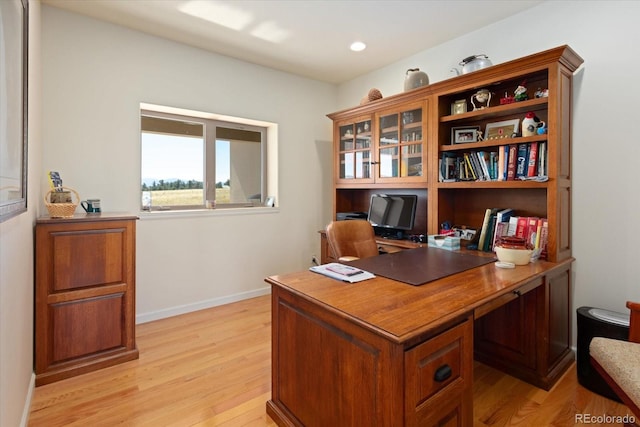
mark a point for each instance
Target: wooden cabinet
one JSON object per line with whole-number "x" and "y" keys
{"x": 382, "y": 147}
{"x": 84, "y": 294}
{"x": 403, "y": 155}
{"x": 528, "y": 333}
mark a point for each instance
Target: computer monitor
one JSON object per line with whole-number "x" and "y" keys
{"x": 393, "y": 211}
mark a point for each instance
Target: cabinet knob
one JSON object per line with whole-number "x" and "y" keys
{"x": 442, "y": 373}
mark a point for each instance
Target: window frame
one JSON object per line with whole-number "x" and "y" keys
{"x": 210, "y": 121}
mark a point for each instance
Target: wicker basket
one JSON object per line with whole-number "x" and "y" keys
{"x": 61, "y": 210}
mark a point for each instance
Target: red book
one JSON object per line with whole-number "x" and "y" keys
{"x": 512, "y": 162}
{"x": 533, "y": 159}
{"x": 521, "y": 227}
{"x": 532, "y": 229}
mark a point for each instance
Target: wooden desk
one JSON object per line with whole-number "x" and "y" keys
{"x": 369, "y": 353}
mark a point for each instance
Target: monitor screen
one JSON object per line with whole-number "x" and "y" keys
{"x": 393, "y": 211}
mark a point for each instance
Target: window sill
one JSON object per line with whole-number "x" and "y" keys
{"x": 191, "y": 213}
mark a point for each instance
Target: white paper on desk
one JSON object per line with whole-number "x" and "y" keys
{"x": 332, "y": 270}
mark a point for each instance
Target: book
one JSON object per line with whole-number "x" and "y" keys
{"x": 544, "y": 237}
{"x": 500, "y": 231}
{"x": 542, "y": 159}
{"x": 521, "y": 227}
{"x": 504, "y": 215}
{"x": 491, "y": 227}
{"x": 521, "y": 162}
{"x": 483, "y": 159}
{"x": 448, "y": 167}
{"x": 511, "y": 162}
{"x": 501, "y": 225}
{"x": 532, "y": 161}
{"x": 531, "y": 231}
{"x": 513, "y": 225}
{"x": 55, "y": 181}
{"x": 486, "y": 232}
{"x": 470, "y": 167}
{"x": 493, "y": 165}
{"x": 342, "y": 272}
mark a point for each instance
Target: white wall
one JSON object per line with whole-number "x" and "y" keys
{"x": 606, "y": 200}
{"x": 16, "y": 264}
{"x": 96, "y": 74}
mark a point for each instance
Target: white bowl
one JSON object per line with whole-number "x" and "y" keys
{"x": 515, "y": 256}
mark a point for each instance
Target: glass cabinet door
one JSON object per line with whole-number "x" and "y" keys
{"x": 355, "y": 151}
{"x": 400, "y": 144}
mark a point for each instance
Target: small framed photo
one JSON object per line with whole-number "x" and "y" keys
{"x": 504, "y": 129}
{"x": 464, "y": 135}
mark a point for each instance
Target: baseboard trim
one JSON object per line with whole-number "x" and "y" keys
{"x": 200, "y": 305}
{"x": 26, "y": 410}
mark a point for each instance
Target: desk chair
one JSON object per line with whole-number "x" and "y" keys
{"x": 352, "y": 239}
{"x": 618, "y": 362}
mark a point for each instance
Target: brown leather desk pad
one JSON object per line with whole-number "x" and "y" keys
{"x": 420, "y": 265}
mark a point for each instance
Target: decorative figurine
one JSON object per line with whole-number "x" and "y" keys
{"x": 507, "y": 99}
{"x": 520, "y": 94}
{"x": 531, "y": 123}
{"x": 479, "y": 136}
{"x": 482, "y": 96}
{"x": 541, "y": 93}
{"x": 542, "y": 129}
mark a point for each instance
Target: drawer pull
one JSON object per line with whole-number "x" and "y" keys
{"x": 442, "y": 373}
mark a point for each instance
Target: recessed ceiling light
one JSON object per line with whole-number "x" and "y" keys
{"x": 358, "y": 46}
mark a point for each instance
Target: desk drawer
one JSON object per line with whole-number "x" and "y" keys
{"x": 506, "y": 298}
{"x": 437, "y": 374}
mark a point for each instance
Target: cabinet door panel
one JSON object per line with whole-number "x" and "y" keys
{"x": 504, "y": 333}
{"x": 83, "y": 327}
{"x": 72, "y": 268}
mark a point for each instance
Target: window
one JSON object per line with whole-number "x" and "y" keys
{"x": 199, "y": 160}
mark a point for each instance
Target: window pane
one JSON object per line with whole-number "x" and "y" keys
{"x": 172, "y": 170}
{"x": 238, "y": 166}
{"x": 223, "y": 171}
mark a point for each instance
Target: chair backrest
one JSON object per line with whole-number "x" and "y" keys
{"x": 352, "y": 238}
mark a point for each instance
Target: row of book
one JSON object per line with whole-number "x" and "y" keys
{"x": 498, "y": 223}
{"x": 507, "y": 163}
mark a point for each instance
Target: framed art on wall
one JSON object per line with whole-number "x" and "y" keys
{"x": 13, "y": 107}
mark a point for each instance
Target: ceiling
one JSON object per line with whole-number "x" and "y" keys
{"x": 304, "y": 37}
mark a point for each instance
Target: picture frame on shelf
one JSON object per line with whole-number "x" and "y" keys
{"x": 503, "y": 129}
{"x": 464, "y": 134}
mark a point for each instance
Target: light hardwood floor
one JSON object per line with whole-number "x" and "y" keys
{"x": 213, "y": 368}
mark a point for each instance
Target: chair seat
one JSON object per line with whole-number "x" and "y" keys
{"x": 621, "y": 360}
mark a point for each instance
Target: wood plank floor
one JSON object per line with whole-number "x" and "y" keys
{"x": 213, "y": 368}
